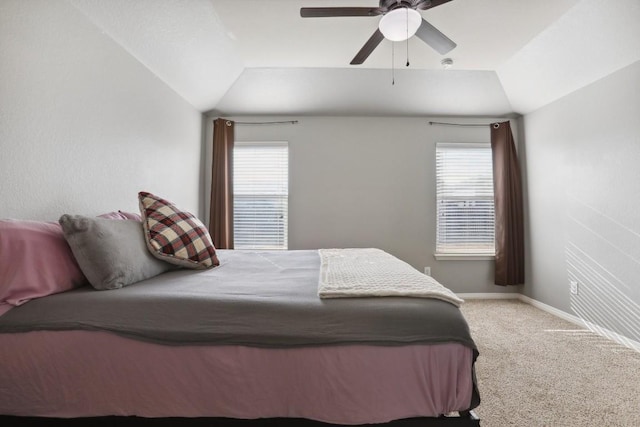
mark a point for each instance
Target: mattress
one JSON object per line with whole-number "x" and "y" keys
{"x": 264, "y": 298}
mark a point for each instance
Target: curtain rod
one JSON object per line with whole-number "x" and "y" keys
{"x": 292, "y": 122}
{"x": 461, "y": 124}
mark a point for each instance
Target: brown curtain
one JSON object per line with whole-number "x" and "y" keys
{"x": 507, "y": 189}
{"x": 221, "y": 210}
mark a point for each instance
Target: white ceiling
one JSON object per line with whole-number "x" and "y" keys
{"x": 238, "y": 57}
{"x": 488, "y": 32}
{"x": 340, "y": 91}
{"x": 183, "y": 42}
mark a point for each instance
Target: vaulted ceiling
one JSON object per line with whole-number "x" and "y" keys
{"x": 248, "y": 57}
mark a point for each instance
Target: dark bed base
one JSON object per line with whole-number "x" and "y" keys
{"x": 466, "y": 419}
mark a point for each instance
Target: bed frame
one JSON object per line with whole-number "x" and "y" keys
{"x": 466, "y": 419}
{"x": 209, "y": 303}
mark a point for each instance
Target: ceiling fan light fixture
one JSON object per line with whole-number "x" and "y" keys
{"x": 400, "y": 24}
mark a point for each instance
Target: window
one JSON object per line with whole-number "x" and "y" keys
{"x": 260, "y": 195}
{"x": 464, "y": 196}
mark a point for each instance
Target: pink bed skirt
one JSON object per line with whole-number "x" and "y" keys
{"x": 83, "y": 374}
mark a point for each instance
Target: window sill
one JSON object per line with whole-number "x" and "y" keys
{"x": 464, "y": 257}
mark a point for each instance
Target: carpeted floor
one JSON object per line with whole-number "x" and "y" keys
{"x": 535, "y": 369}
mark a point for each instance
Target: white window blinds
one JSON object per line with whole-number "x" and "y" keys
{"x": 260, "y": 195}
{"x": 465, "y": 212}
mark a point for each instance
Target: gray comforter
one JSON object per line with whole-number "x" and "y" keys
{"x": 266, "y": 299}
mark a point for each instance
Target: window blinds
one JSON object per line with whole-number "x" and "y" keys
{"x": 464, "y": 196}
{"x": 260, "y": 195}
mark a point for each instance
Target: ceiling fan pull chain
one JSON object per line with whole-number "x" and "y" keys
{"x": 393, "y": 69}
{"x": 407, "y": 26}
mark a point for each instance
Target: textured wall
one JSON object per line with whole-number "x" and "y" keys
{"x": 583, "y": 178}
{"x": 370, "y": 182}
{"x": 83, "y": 125}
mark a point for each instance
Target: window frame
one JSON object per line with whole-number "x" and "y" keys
{"x": 471, "y": 254}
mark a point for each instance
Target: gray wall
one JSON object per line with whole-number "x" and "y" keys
{"x": 370, "y": 182}
{"x": 583, "y": 172}
{"x": 83, "y": 125}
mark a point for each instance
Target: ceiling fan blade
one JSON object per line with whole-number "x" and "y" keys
{"x": 434, "y": 38}
{"x": 431, "y": 4}
{"x": 327, "y": 12}
{"x": 368, "y": 47}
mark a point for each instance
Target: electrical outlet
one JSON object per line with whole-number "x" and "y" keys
{"x": 573, "y": 287}
{"x": 427, "y": 271}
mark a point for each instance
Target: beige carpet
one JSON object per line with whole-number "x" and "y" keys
{"x": 535, "y": 369}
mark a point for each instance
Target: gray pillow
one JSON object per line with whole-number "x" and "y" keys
{"x": 111, "y": 253}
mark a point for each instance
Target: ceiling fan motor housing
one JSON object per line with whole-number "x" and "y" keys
{"x": 389, "y": 5}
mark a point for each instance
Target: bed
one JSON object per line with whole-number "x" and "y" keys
{"x": 173, "y": 331}
{"x": 249, "y": 339}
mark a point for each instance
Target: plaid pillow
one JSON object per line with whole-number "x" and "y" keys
{"x": 175, "y": 236}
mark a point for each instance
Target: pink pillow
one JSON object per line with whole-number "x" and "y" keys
{"x": 35, "y": 261}
{"x": 121, "y": 215}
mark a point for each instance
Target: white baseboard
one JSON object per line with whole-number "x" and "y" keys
{"x": 552, "y": 310}
{"x": 606, "y": 333}
{"x": 503, "y": 295}
{"x": 620, "y": 339}
{"x": 603, "y": 332}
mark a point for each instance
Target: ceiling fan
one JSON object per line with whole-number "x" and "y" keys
{"x": 400, "y": 21}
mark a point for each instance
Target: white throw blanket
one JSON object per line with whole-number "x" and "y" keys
{"x": 373, "y": 272}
